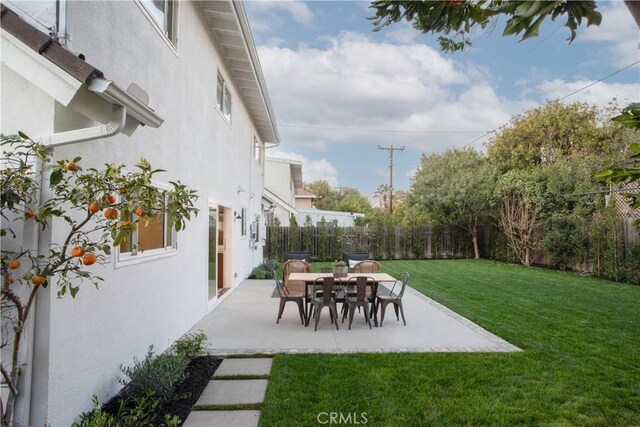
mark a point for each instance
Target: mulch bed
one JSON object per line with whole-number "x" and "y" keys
{"x": 199, "y": 372}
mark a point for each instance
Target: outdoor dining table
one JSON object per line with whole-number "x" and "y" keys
{"x": 310, "y": 278}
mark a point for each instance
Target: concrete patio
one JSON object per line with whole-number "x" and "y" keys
{"x": 245, "y": 323}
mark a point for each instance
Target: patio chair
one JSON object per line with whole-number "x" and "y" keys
{"x": 295, "y": 266}
{"x": 367, "y": 266}
{"x": 356, "y": 289}
{"x": 323, "y": 297}
{"x": 395, "y": 299}
{"x": 285, "y": 297}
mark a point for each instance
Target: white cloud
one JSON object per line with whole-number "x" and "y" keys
{"x": 403, "y": 35}
{"x": 298, "y": 10}
{"x": 312, "y": 170}
{"x": 599, "y": 94}
{"x": 356, "y": 82}
{"x": 618, "y": 33}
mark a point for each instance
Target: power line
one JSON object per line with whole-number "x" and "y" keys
{"x": 378, "y": 130}
{"x": 541, "y": 41}
{"x": 558, "y": 99}
{"x": 598, "y": 81}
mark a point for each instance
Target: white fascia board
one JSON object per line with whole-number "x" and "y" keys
{"x": 280, "y": 202}
{"x": 243, "y": 21}
{"x": 39, "y": 71}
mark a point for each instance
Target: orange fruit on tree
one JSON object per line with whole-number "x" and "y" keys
{"x": 89, "y": 258}
{"x": 139, "y": 211}
{"x": 13, "y": 265}
{"x": 38, "y": 280}
{"x": 111, "y": 213}
{"x": 93, "y": 208}
{"x": 111, "y": 199}
{"x": 30, "y": 213}
{"x": 77, "y": 251}
{"x": 71, "y": 166}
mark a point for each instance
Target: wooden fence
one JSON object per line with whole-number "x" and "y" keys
{"x": 608, "y": 251}
{"x": 416, "y": 242}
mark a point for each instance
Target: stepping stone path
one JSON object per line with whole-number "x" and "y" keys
{"x": 238, "y": 382}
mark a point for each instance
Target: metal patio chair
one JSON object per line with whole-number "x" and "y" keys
{"x": 323, "y": 296}
{"x": 395, "y": 299}
{"x": 356, "y": 290}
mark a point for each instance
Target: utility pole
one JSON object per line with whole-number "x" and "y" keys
{"x": 391, "y": 150}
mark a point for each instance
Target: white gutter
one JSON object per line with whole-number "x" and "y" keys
{"x": 135, "y": 107}
{"x": 124, "y": 106}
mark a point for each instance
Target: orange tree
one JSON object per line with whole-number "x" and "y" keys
{"x": 99, "y": 207}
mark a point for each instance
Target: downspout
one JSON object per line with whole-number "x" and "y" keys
{"x": 118, "y": 120}
{"x": 117, "y": 123}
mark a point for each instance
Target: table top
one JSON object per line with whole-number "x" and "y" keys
{"x": 310, "y": 277}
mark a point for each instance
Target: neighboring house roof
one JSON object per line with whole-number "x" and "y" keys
{"x": 277, "y": 200}
{"x": 229, "y": 26}
{"x": 296, "y": 169}
{"x": 301, "y": 193}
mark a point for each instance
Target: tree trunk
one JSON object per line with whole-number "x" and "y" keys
{"x": 634, "y": 9}
{"x": 474, "y": 236}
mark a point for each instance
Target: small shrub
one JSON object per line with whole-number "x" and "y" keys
{"x": 258, "y": 273}
{"x": 160, "y": 374}
{"x": 265, "y": 270}
{"x": 140, "y": 412}
{"x": 190, "y": 345}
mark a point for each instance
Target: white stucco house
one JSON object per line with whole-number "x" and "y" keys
{"x": 284, "y": 191}
{"x": 180, "y": 84}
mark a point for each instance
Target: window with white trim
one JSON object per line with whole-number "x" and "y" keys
{"x": 223, "y": 99}
{"x": 152, "y": 236}
{"x": 243, "y": 225}
{"x": 164, "y": 13}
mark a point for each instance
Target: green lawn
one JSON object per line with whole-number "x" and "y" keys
{"x": 580, "y": 364}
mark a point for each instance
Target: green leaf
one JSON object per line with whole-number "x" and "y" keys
{"x": 23, "y": 135}
{"x": 55, "y": 178}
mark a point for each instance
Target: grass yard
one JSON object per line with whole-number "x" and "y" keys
{"x": 580, "y": 364}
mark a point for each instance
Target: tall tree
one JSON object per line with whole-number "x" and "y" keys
{"x": 382, "y": 196}
{"x": 455, "y": 188}
{"x": 521, "y": 197}
{"x": 554, "y": 131}
{"x": 354, "y": 203}
{"x": 343, "y": 199}
{"x": 455, "y": 19}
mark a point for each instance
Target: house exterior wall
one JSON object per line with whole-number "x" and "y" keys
{"x": 304, "y": 203}
{"x": 82, "y": 342}
{"x": 343, "y": 219}
{"x": 278, "y": 180}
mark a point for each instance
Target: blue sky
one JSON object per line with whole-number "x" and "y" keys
{"x": 328, "y": 73}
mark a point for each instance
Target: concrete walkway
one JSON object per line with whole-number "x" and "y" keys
{"x": 236, "y": 384}
{"x": 245, "y": 323}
